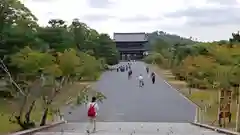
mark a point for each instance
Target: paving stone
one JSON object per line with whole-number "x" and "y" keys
{"x": 126, "y": 102}
{"x": 128, "y": 128}
{"x": 130, "y": 110}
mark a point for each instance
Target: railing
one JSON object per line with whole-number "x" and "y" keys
{"x": 38, "y": 129}
{"x": 220, "y": 130}
{"x": 199, "y": 119}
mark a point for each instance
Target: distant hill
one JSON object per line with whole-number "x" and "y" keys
{"x": 171, "y": 39}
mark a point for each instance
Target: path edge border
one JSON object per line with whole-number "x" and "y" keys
{"x": 181, "y": 94}
{"x": 216, "y": 129}
{"x": 189, "y": 100}
{"x": 166, "y": 82}
{"x": 37, "y": 129}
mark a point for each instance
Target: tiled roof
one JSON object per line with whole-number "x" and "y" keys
{"x": 127, "y": 37}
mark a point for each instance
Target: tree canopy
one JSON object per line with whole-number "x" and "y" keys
{"x": 206, "y": 65}
{"x": 41, "y": 61}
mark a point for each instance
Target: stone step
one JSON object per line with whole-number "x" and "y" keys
{"x": 109, "y": 133}
{"x": 137, "y": 128}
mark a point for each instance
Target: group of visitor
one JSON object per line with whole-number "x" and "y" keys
{"x": 124, "y": 68}
{"x": 140, "y": 78}
{"x": 93, "y": 106}
{"x": 152, "y": 76}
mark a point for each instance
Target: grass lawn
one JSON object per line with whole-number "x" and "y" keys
{"x": 7, "y": 107}
{"x": 5, "y": 125}
{"x": 202, "y": 98}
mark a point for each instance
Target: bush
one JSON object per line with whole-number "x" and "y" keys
{"x": 154, "y": 58}
{"x": 205, "y": 63}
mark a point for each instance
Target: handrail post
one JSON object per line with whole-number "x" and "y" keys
{"x": 196, "y": 119}
{"x": 198, "y": 115}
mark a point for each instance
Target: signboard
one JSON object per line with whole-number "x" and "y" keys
{"x": 225, "y": 99}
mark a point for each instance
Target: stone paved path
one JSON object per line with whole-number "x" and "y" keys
{"x": 126, "y": 102}
{"x": 129, "y": 110}
{"x": 130, "y": 128}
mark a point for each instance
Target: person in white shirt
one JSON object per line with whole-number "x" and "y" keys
{"x": 140, "y": 79}
{"x": 92, "y": 114}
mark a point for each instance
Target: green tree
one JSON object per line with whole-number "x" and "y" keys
{"x": 58, "y": 75}
{"x": 17, "y": 24}
{"x": 43, "y": 61}
{"x": 90, "y": 41}
{"x": 31, "y": 63}
{"x": 107, "y": 49}
{"x": 41, "y": 74}
{"x": 90, "y": 68}
{"x": 56, "y": 35}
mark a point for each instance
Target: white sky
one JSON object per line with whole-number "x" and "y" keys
{"x": 205, "y": 20}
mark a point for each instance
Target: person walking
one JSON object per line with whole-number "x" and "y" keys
{"x": 153, "y": 77}
{"x": 147, "y": 69}
{"x": 92, "y": 114}
{"x": 130, "y": 74}
{"x": 140, "y": 79}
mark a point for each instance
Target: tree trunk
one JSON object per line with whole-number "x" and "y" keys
{"x": 44, "y": 117}
{"x": 19, "y": 122}
{"x": 23, "y": 106}
{"x": 25, "y": 124}
{"x": 19, "y": 116}
{"x": 49, "y": 102}
{"x": 28, "y": 114}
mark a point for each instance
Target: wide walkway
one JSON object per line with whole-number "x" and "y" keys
{"x": 126, "y": 102}
{"x": 130, "y": 128}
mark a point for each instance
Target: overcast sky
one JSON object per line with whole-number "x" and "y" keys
{"x": 206, "y": 20}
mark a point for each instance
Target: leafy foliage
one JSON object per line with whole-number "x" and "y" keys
{"x": 209, "y": 66}
{"x": 202, "y": 65}
{"x": 38, "y": 63}
{"x": 166, "y": 40}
